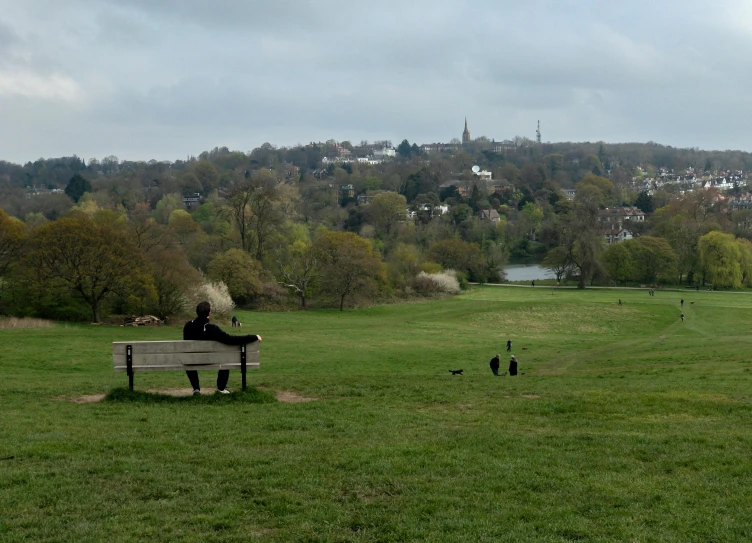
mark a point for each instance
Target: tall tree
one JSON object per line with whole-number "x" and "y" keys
{"x": 77, "y": 187}
{"x": 349, "y": 265}
{"x": 385, "y": 211}
{"x": 721, "y": 259}
{"x": 299, "y": 269}
{"x": 92, "y": 261}
{"x": 652, "y": 258}
{"x": 12, "y": 238}
{"x": 240, "y": 272}
{"x": 581, "y": 235}
{"x": 557, "y": 261}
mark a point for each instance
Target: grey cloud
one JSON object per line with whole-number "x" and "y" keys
{"x": 161, "y": 77}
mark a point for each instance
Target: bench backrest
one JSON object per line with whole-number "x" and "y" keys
{"x": 183, "y": 355}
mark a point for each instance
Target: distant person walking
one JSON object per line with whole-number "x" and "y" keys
{"x": 509, "y": 345}
{"x": 495, "y": 364}
{"x": 532, "y": 283}
{"x": 619, "y": 301}
{"x": 682, "y": 302}
{"x": 682, "y": 317}
{"x": 513, "y": 366}
{"x": 235, "y": 321}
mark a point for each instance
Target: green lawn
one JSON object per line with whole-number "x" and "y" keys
{"x": 627, "y": 425}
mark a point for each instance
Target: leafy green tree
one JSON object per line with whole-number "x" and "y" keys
{"x": 207, "y": 175}
{"x": 618, "y": 263}
{"x": 580, "y": 234}
{"x": 90, "y": 260}
{"x": 12, "y": 238}
{"x": 721, "y": 259}
{"x": 240, "y": 272}
{"x": 77, "y": 187}
{"x": 652, "y": 258}
{"x": 745, "y": 260}
{"x": 557, "y": 260}
{"x": 455, "y": 254}
{"x": 299, "y": 269}
{"x": 644, "y": 202}
{"x": 349, "y": 265}
{"x": 385, "y": 211}
{"x": 405, "y": 149}
{"x": 173, "y": 278}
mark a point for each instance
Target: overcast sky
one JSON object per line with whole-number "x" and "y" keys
{"x": 163, "y": 79}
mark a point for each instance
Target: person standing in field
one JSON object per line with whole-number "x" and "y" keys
{"x": 495, "y": 362}
{"x": 200, "y": 329}
{"x": 682, "y": 315}
{"x": 513, "y": 366}
{"x": 682, "y": 302}
{"x": 509, "y": 345}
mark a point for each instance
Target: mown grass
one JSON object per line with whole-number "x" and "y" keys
{"x": 628, "y": 425}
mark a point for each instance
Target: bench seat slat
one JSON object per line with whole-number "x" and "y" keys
{"x": 169, "y": 347}
{"x": 179, "y": 359}
{"x": 178, "y": 367}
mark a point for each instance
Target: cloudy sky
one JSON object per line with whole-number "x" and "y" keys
{"x": 163, "y": 79}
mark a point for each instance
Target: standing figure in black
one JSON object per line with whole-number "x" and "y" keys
{"x": 202, "y": 330}
{"x": 509, "y": 345}
{"x": 513, "y": 366}
{"x": 495, "y": 364}
{"x": 682, "y": 317}
{"x": 682, "y": 302}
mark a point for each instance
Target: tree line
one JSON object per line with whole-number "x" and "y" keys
{"x": 275, "y": 227}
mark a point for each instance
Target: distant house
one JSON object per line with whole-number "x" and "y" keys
{"x": 489, "y": 215}
{"x": 617, "y": 215}
{"x": 385, "y": 153}
{"x": 569, "y": 193}
{"x": 614, "y": 233}
{"x": 192, "y": 200}
{"x": 347, "y": 191}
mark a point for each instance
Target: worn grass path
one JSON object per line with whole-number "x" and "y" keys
{"x": 628, "y": 425}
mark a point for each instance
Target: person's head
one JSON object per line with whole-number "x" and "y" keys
{"x": 203, "y": 309}
{"x": 497, "y": 355}
{"x": 513, "y": 358}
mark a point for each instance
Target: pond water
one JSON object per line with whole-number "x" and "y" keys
{"x": 527, "y": 272}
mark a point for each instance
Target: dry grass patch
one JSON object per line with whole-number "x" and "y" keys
{"x": 583, "y": 319}
{"x": 12, "y": 323}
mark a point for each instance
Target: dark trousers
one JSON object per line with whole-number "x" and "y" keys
{"x": 222, "y": 377}
{"x": 495, "y": 371}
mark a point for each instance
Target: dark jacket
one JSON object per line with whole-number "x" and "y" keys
{"x": 494, "y": 363}
{"x": 202, "y": 330}
{"x": 512, "y": 367}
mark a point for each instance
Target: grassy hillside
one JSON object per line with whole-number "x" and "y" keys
{"x": 627, "y": 425}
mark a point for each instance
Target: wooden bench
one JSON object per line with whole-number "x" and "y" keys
{"x": 138, "y": 356}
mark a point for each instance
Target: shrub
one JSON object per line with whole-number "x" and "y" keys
{"x": 426, "y": 283}
{"x": 216, "y": 294}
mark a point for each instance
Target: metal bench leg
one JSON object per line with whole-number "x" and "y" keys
{"x": 129, "y": 362}
{"x": 242, "y": 364}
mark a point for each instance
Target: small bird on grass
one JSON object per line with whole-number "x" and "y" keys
{"x": 456, "y": 372}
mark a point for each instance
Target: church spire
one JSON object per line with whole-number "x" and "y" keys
{"x": 466, "y": 134}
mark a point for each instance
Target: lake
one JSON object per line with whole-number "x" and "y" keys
{"x": 527, "y": 272}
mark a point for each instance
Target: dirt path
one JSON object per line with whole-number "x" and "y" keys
{"x": 284, "y": 396}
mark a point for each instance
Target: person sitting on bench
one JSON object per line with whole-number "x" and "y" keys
{"x": 202, "y": 330}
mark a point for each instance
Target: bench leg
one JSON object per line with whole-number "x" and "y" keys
{"x": 129, "y": 363}
{"x": 242, "y": 364}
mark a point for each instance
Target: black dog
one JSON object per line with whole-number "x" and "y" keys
{"x": 456, "y": 372}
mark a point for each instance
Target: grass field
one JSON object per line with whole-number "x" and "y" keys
{"x": 627, "y": 425}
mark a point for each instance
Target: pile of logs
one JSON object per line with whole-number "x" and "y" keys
{"x": 146, "y": 320}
